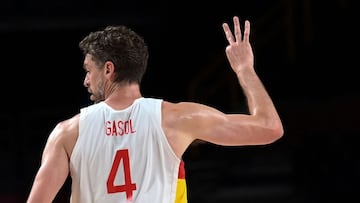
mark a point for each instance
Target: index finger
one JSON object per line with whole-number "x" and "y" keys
{"x": 228, "y": 34}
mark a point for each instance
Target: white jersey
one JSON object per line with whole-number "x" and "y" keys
{"x": 123, "y": 156}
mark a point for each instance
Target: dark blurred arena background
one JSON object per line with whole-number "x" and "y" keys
{"x": 305, "y": 52}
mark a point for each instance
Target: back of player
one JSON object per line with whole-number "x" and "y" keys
{"x": 123, "y": 156}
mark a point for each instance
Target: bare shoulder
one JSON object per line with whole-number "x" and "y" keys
{"x": 188, "y": 114}
{"x": 178, "y": 122}
{"x": 69, "y": 124}
{"x": 185, "y": 122}
{"x": 66, "y": 133}
{"x": 183, "y": 108}
{"x": 171, "y": 106}
{"x": 173, "y": 110}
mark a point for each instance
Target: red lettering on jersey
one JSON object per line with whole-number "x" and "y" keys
{"x": 114, "y": 130}
{"x": 119, "y": 127}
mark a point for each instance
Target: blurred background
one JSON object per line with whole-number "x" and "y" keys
{"x": 306, "y": 53}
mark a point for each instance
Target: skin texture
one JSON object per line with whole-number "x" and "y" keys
{"x": 183, "y": 122}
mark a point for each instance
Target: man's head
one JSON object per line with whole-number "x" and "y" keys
{"x": 118, "y": 48}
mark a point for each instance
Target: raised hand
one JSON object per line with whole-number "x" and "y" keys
{"x": 239, "y": 51}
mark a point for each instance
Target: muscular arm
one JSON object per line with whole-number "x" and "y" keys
{"x": 54, "y": 168}
{"x": 263, "y": 114}
{"x": 191, "y": 121}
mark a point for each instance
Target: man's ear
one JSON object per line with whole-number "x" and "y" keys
{"x": 108, "y": 67}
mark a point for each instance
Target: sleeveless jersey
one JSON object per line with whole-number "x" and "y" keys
{"x": 123, "y": 156}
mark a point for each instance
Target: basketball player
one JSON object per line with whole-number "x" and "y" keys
{"x": 128, "y": 148}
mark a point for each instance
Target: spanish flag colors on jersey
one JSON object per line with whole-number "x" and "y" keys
{"x": 181, "y": 192}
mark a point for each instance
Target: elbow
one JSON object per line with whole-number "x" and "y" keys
{"x": 270, "y": 131}
{"x": 275, "y": 132}
{"x": 278, "y": 132}
{"x": 270, "y": 127}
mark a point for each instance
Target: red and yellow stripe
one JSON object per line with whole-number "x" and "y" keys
{"x": 181, "y": 192}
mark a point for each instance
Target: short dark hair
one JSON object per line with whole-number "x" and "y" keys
{"x": 122, "y": 46}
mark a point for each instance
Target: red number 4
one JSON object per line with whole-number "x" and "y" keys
{"x": 128, "y": 187}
